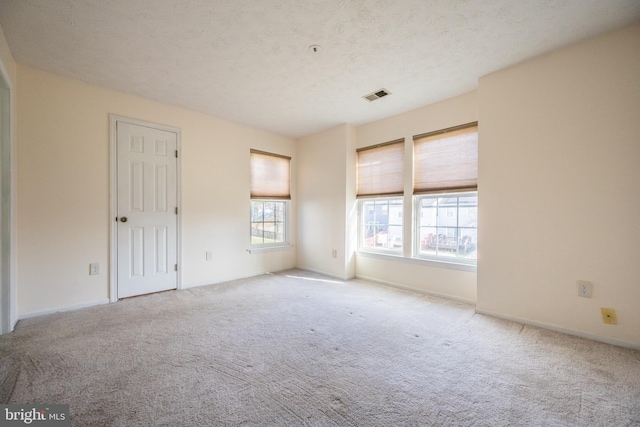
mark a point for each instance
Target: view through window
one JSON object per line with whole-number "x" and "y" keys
{"x": 268, "y": 222}
{"x": 381, "y": 221}
{"x": 447, "y": 225}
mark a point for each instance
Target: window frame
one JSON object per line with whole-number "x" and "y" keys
{"x": 416, "y": 200}
{"x": 286, "y": 222}
{"x": 270, "y": 182}
{"x": 361, "y": 235}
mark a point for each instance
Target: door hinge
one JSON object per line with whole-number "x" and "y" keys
{"x": 176, "y": 154}
{"x": 176, "y": 210}
{"x": 175, "y": 266}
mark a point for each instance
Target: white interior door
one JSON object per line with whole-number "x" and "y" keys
{"x": 146, "y": 210}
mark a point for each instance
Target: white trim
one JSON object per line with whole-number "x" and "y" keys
{"x": 287, "y": 228}
{"x": 420, "y": 291}
{"x": 261, "y": 249}
{"x": 113, "y": 195}
{"x": 556, "y": 328}
{"x": 419, "y": 261}
{"x": 62, "y": 309}
{"x": 9, "y": 309}
{"x": 456, "y": 263}
{"x": 335, "y": 276}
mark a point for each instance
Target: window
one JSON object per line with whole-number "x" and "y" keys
{"x": 445, "y": 197}
{"x": 446, "y": 160}
{"x": 380, "y": 170}
{"x": 380, "y": 180}
{"x": 446, "y": 222}
{"x": 270, "y": 195}
{"x": 445, "y": 236}
{"x": 381, "y": 224}
{"x": 268, "y": 222}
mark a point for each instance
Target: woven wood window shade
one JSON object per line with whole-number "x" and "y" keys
{"x": 446, "y": 160}
{"x": 380, "y": 170}
{"x": 270, "y": 176}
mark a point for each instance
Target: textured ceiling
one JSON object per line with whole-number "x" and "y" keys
{"x": 249, "y": 61}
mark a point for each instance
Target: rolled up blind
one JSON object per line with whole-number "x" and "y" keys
{"x": 446, "y": 160}
{"x": 380, "y": 169}
{"x": 270, "y": 175}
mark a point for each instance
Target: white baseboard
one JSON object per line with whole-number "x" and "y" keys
{"x": 217, "y": 282}
{"x": 335, "y": 276}
{"x": 14, "y": 321}
{"x": 61, "y": 309}
{"x": 420, "y": 291}
{"x": 556, "y": 328}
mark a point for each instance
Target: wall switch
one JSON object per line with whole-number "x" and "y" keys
{"x": 334, "y": 253}
{"x": 609, "y": 316}
{"x": 94, "y": 269}
{"x": 585, "y": 289}
{"x": 209, "y": 256}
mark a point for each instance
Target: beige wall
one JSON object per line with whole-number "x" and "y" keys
{"x": 63, "y": 190}
{"x": 559, "y": 184}
{"x": 559, "y": 171}
{"x": 323, "y": 214}
{"x": 418, "y": 275}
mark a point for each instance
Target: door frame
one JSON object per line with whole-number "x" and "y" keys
{"x": 113, "y": 194}
{"x": 8, "y": 180}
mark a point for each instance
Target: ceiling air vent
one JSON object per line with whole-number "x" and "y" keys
{"x": 376, "y": 95}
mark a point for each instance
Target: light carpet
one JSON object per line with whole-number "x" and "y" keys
{"x": 301, "y": 349}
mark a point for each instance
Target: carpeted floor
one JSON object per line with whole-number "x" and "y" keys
{"x": 297, "y": 349}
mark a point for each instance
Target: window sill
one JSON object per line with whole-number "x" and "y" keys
{"x": 418, "y": 261}
{"x": 262, "y": 249}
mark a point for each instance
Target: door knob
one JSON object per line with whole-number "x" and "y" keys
{"x": 123, "y": 219}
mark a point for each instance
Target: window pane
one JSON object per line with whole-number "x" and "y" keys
{"x": 428, "y": 240}
{"x": 468, "y": 243}
{"x": 447, "y": 212}
{"x": 469, "y": 201}
{"x": 468, "y": 217}
{"x": 268, "y": 222}
{"x": 370, "y": 227}
{"x": 381, "y": 224}
{"x": 257, "y": 211}
{"x": 428, "y": 212}
{"x": 280, "y": 206}
{"x": 279, "y": 232}
{"x": 257, "y": 234}
{"x": 447, "y": 242}
{"x": 269, "y": 212}
{"x": 447, "y": 226}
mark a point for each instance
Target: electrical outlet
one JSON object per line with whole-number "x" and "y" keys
{"x": 94, "y": 269}
{"x": 585, "y": 289}
{"x": 209, "y": 256}
{"x": 609, "y": 316}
